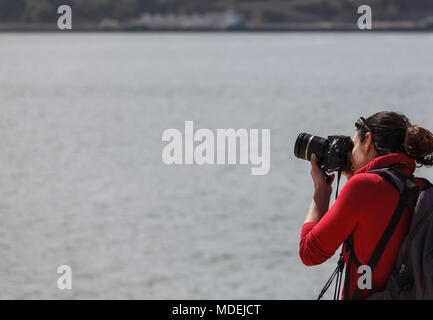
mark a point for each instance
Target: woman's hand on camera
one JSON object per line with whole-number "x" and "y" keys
{"x": 322, "y": 192}
{"x": 322, "y": 181}
{"x": 348, "y": 174}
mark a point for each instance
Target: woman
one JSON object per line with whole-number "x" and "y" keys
{"x": 367, "y": 201}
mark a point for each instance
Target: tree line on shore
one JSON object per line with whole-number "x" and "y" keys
{"x": 94, "y": 11}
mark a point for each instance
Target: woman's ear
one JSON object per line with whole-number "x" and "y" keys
{"x": 368, "y": 144}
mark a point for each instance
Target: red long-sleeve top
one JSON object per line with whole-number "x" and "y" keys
{"x": 364, "y": 208}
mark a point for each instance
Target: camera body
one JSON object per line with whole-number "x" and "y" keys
{"x": 333, "y": 154}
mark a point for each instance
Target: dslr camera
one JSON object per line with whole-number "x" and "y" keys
{"x": 333, "y": 154}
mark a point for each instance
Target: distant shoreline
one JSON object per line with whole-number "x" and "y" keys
{"x": 215, "y": 31}
{"x": 378, "y": 26}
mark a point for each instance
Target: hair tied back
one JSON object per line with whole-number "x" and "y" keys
{"x": 418, "y": 144}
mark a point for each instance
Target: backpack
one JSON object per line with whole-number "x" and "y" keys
{"x": 412, "y": 276}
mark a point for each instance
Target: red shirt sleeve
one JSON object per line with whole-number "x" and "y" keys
{"x": 319, "y": 241}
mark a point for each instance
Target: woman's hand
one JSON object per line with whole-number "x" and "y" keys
{"x": 322, "y": 181}
{"x": 348, "y": 174}
{"x": 322, "y": 192}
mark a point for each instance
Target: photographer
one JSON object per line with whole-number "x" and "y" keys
{"x": 367, "y": 201}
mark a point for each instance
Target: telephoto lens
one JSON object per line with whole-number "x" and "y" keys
{"x": 333, "y": 154}
{"x": 307, "y": 144}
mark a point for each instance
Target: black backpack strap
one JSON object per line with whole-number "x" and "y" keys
{"x": 427, "y": 184}
{"x": 393, "y": 176}
{"x": 406, "y": 189}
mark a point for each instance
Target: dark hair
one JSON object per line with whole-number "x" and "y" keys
{"x": 392, "y": 132}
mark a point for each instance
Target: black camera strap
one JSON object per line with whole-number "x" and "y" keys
{"x": 338, "y": 183}
{"x": 338, "y": 272}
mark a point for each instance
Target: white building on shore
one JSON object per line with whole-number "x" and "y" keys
{"x": 214, "y": 21}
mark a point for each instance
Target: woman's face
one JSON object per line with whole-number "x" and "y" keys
{"x": 363, "y": 152}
